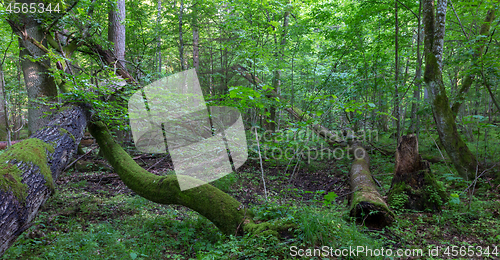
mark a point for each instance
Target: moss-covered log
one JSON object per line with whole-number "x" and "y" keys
{"x": 28, "y": 170}
{"x": 414, "y": 185}
{"x": 367, "y": 205}
{"x": 223, "y": 210}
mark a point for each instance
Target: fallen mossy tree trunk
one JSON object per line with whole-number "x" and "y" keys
{"x": 229, "y": 215}
{"x": 28, "y": 170}
{"x": 367, "y": 205}
{"x": 413, "y": 185}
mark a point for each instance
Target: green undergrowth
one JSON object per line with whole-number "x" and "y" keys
{"x": 80, "y": 222}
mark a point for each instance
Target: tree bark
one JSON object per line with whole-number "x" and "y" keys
{"x": 434, "y": 26}
{"x": 158, "y": 37}
{"x": 116, "y": 30}
{"x": 116, "y": 35}
{"x": 413, "y": 185}
{"x": 30, "y": 167}
{"x": 4, "y": 112}
{"x": 196, "y": 39}
{"x": 39, "y": 84}
{"x": 414, "y": 120}
{"x": 181, "y": 41}
{"x": 367, "y": 206}
{"x": 396, "y": 74}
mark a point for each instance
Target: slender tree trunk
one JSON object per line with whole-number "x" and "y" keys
{"x": 4, "y": 107}
{"x": 277, "y": 73}
{"x": 196, "y": 39}
{"x": 415, "y": 120}
{"x": 181, "y": 41}
{"x": 158, "y": 38}
{"x": 396, "y": 74}
{"x": 434, "y": 26}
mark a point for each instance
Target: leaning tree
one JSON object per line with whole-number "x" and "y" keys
{"x": 29, "y": 168}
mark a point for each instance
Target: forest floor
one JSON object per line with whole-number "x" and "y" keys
{"x": 94, "y": 215}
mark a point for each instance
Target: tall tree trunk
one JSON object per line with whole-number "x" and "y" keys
{"x": 29, "y": 169}
{"x": 396, "y": 74}
{"x": 414, "y": 121}
{"x": 39, "y": 84}
{"x": 196, "y": 39}
{"x": 4, "y": 110}
{"x": 277, "y": 73}
{"x": 181, "y": 41}
{"x": 158, "y": 38}
{"x": 116, "y": 35}
{"x": 434, "y": 26}
{"x": 116, "y": 30}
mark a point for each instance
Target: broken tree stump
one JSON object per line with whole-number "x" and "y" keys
{"x": 367, "y": 205}
{"x": 413, "y": 185}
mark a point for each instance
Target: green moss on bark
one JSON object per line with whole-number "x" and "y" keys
{"x": 64, "y": 131}
{"x": 33, "y": 151}
{"x": 430, "y": 197}
{"x": 367, "y": 206}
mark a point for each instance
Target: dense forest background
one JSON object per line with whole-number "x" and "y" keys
{"x": 368, "y": 123}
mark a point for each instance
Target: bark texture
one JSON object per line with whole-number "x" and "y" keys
{"x": 413, "y": 185}
{"x": 39, "y": 84}
{"x": 28, "y": 170}
{"x": 367, "y": 205}
{"x": 116, "y": 30}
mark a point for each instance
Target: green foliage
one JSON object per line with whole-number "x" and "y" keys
{"x": 329, "y": 198}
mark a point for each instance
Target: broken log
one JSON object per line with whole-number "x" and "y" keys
{"x": 367, "y": 205}
{"x": 413, "y": 185}
{"x": 29, "y": 168}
